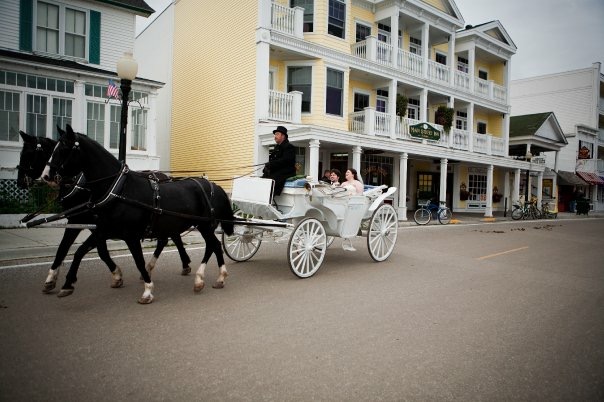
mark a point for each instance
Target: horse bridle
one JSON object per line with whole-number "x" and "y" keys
{"x": 27, "y": 178}
{"x": 58, "y": 178}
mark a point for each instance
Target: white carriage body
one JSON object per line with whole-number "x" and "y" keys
{"x": 340, "y": 213}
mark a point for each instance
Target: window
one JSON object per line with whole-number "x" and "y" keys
{"x": 139, "y": 130}
{"x": 334, "y": 92}
{"x": 413, "y": 109}
{"x": 362, "y": 32}
{"x": 361, "y": 101}
{"x": 61, "y": 114}
{"x": 35, "y": 117}
{"x": 461, "y": 120}
{"x": 300, "y": 79}
{"x": 9, "y": 116}
{"x": 384, "y": 33}
{"x": 95, "y": 121}
{"x": 478, "y": 187}
{"x": 376, "y": 169}
{"x": 425, "y": 186}
{"x": 483, "y": 75}
{"x": 462, "y": 64}
{"x": 337, "y": 18}
{"x": 308, "y": 7}
{"x": 481, "y": 127}
{"x": 415, "y": 46}
{"x": 36, "y": 82}
{"x": 381, "y": 103}
{"x": 441, "y": 58}
{"x": 114, "y": 126}
{"x": 60, "y": 30}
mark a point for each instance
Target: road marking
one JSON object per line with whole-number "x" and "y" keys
{"x": 501, "y": 253}
{"x": 35, "y": 264}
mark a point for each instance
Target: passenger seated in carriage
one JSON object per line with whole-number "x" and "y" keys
{"x": 352, "y": 183}
{"x": 282, "y": 160}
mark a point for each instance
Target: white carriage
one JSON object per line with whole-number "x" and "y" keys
{"x": 310, "y": 214}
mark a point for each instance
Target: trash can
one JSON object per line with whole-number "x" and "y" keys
{"x": 583, "y": 206}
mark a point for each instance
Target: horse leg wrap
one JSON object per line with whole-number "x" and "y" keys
{"x": 221, "y": 278}
{"x": 147, "y": 296}
{"x": 51, "y": 280}
{"x": 116, "y": 278}
{"x": 199, "y": 284}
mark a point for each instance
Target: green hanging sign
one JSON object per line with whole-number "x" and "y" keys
{"x": 424, "y": 131}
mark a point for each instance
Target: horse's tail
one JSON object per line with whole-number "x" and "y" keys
{"x": 226, "y": 214}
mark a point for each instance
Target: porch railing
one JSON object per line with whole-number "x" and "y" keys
{"x": 284, "y": 106}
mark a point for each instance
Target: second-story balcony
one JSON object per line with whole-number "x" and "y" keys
{"x": 373, "y": 123}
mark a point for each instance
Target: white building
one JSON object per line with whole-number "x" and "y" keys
{"x": 577, "y": 99}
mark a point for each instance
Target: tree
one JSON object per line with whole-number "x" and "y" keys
{"x": 401, "y": 105}
{"x": 444, "y": 117}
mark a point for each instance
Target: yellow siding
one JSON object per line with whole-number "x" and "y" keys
{"x": 364, "y": 15}
{"x": 280, "y": 72}
{"x": 362, "y": 86}
{"x": 213, "y": 109}
{"x": 495, "y": 70}
{"x": 493, "y": 120}
{"x": 437, "y": 4}
{"x": 320, "y": 35}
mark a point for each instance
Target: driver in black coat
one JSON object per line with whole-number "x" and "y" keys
{"x": 282, "y": 160}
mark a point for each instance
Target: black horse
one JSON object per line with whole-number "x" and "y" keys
{"x": 131, "y": 208}
{"x": 36, "y": 151}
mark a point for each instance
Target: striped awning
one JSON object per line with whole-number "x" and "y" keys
{"x": 591, "y": 178}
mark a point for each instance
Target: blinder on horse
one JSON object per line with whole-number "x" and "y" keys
{"x": 56, "y": 170}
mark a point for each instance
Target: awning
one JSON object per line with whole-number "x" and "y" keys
{"x": 591, "y": 178}
{"x": 569, "y": 179}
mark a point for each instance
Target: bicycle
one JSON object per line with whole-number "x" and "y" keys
{"x": 527, "y": 210}
{"x": 546, "y": 213}
{"x": 423, "y": 215}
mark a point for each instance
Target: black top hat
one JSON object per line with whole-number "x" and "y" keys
{"x": 280, "y": 129}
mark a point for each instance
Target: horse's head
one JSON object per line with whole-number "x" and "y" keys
{"x": 65, "y": 160}
{"x": 35, "y": 153}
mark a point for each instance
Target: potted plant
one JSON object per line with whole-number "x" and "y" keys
{"x": 444, "y": 117}
{"x": 401, "y": 105}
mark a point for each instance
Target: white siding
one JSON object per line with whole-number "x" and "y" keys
{"x": 156, "y": 40}
{"x": 9, "y": 24}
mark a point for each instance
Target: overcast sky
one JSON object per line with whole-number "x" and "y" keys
{"x": 551, "y": 35}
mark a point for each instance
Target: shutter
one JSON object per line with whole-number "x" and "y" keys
{"x": 94, "y": 46}
{"x": 26, "y": 20}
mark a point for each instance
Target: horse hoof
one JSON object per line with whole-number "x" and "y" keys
{"x": 65, "y": 292}
{"x": 218, "y": 285}
{"x": 48, "y": 287}
{"x": 117, "y": 284}
{"x": 198, "y": 286}
{"x": 185, "y": 271}
{"x": 145, "y": 300}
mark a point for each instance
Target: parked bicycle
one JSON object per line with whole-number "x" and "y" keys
{"x": 546, "y": 213}
{"x": 526, "y": 210}
{"x": 423, "y": 215}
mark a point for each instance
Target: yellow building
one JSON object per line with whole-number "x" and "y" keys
{"x": 331, "y": 71}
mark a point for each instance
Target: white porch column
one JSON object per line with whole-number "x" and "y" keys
{"x": 313, "y": 168}
{"x": 402, "y": 187}
{"x": 356, "y": 159}
{"x": 392, "y": 107}
{"x": 152, "y": 124}
{"x": 263, "y": 37}
{"x": 506, "y": 134}
{"x": 371, "y": 42}
{"x": 443, "y": 180}
{"x": 471, "y": 127}
{"x": 506, "y": 191}
{"x": 425, "y": 49}
{"x": 507, "y": 78}
{"x": 451, "y": 57}
{"x": 79, "y": 108}
{"x": 394, "y": 36}
{"x": 299, "y": 22}
{"x": 516, "y": 189}
{"x": 471, "y": 61}
{"x": 539, "y": 189}
{"x": 369, "y": 120}
{"x": 423, "y": 106}
{"x": 488, "y": 213}
{"x": 451, "y": 104}
{"x": 296, "y": 107}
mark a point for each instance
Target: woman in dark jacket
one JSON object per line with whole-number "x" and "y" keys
{"x": 282, "y": 160}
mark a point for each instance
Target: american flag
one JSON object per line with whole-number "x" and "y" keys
{"x": 112, "y": 90}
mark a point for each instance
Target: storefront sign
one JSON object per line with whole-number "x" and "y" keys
{"x": 425, "y": 131}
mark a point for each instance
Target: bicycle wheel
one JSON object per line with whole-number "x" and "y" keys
{"x": 444, "y": 216}
{"x": 422, "y": 216}
{"x": 517, "y": 213}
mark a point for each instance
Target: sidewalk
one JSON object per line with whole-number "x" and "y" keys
{"x": 20, "y": 242}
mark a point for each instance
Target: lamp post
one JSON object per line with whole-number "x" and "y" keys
{"x": 528, "y": 157}
{"x": 126, "y": 70}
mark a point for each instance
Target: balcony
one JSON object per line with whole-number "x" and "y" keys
{"x": 372, "y": 123}
{"x": 285, "y": 107}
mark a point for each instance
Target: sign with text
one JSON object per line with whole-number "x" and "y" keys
{"x": 425, "y": 131}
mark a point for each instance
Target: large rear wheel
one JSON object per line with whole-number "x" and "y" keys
{"x": 243, "y": 244}
{"x": 306, "y": 248}
{"x": 383, "y": 231}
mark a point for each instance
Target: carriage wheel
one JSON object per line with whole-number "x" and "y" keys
{"x": 243, "y": 244}
{"x": 382, "y": 234}
{"x": 307, "y": 246}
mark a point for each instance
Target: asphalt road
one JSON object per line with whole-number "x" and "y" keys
{"x": 504, "y": 311}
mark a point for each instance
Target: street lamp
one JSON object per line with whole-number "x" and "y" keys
{"x": 528, "y": 157}
{"x": 126, "y": 70}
